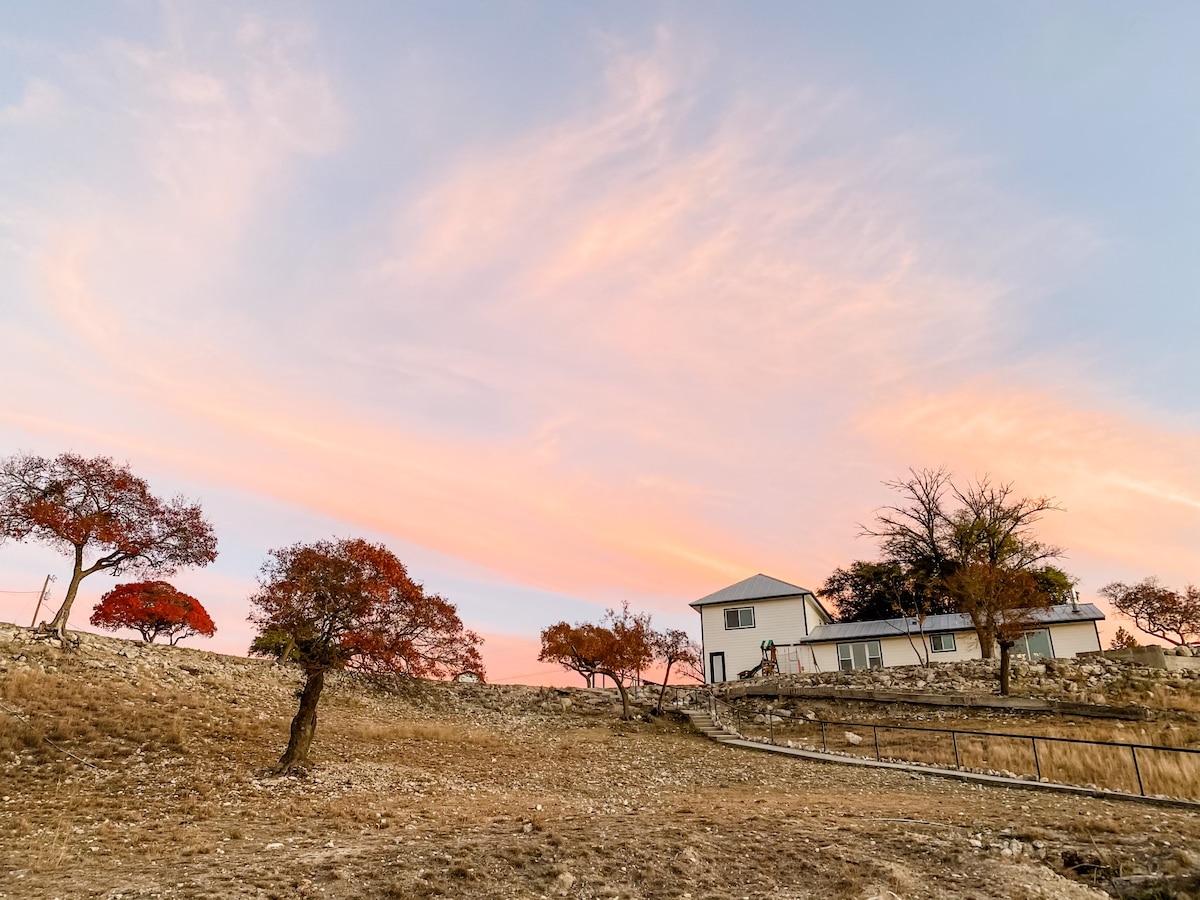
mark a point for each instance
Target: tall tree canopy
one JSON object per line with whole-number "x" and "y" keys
{"x": 81, "y": 505}
{"x": 619, "y": 647}
{"x": 350, "y": 604}
{"x": 883, "y": 590}
{"x": 865, "y": 591}
{"x": 153, "y": 608}
{"x": 974, "y": 546}
{"x": 1173, "y": 616}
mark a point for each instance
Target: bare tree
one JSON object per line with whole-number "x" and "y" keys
{"x": 915, "y": 530}
{"x": 977, "y": 549}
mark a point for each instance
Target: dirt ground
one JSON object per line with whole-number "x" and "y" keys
{"x": 482, "y": 791}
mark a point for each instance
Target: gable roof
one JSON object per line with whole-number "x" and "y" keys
{"x": 756, "y": 587}
{"x": 879, "y": 628}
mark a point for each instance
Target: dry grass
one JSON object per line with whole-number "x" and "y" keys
{"x": 415, "y": 797}
{"x": 435, "y": 732}
{"x": 1163, "y": 771}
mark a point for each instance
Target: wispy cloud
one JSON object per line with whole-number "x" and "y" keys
{"x": 1131, "y": 487}
{"x": 40, "y": 102}
{"x": 670, "y": 338}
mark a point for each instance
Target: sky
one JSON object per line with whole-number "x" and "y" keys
{"x": 578, "y": 304}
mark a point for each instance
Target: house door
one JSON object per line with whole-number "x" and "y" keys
{"x": 716, "y": 667}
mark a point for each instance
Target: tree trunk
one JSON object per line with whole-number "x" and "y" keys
{"x": 58, "y": 624}
{"x": 625, "y": 713}
{"x": 304, "y": 725}
{"x": 987, "y": 643}
{"x": 662, "y": 690}
{"x": 287, "y": 651}
{"x": 1005, "y": 666}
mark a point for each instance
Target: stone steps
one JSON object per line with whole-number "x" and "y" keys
{"x": 703, "y": 723}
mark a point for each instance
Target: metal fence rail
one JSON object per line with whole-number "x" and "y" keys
{"x": 1151, "y": 753}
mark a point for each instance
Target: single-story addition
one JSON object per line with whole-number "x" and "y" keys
{"x": 763, "y": 618}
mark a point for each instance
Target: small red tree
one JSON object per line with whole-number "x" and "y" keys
{"x": 573, "y": 647}
{"x": 153, "y": 608}
{"x": 619, "y": 647}
{"x": 349, "y": 604}
{"x": 1003, "y": 605}
{"x": 75, "y": 505}
{"x": 675, "y": 646}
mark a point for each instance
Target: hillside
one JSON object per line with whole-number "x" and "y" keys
{"x": 154, "y": 788}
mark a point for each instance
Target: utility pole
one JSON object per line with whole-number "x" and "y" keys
{"x": 41, "y": 597}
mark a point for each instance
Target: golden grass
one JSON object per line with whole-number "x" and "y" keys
{"x": 1165, "y": 771}
{"x": 398, "y": 732}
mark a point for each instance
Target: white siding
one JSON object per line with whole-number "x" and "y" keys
{"x": 816, "y": 614}
{"x": 821, "y": 658}
{"x": 896, "y": 651}
{"x": 1068, "y": 640}
{"x": 966, "y": 646}
{"x": 779, "y": 619}
{"x": 1073, "y": 638}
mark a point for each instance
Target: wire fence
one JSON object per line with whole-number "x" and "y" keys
{"x": 1147, "y": 770}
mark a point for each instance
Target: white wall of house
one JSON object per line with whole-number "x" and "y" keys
{"x": 1072, "y": 638}
{"x": 896, "y": 651}
{"x": 1068, "y": 640}
{"x": 780, "y": 619}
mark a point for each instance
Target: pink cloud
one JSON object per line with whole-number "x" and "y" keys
{"x": 1131, "y": 487}
{"x": 676, "y": 338}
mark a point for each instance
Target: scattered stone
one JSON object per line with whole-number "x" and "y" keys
{"x": 564, "y": 882}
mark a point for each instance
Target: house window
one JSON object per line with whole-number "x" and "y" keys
{"x": 941, "y": 643}
{"x": 742, "y": 617}
{"x": 859, "y": 655}
{"x": 1034, "y": 644}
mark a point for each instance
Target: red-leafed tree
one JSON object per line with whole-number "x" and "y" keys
{"x": 350, "y": 604}
{"x": 675, "y": 647}
{"x": 574, "y": 647}
{"x": 84, "y": 506}
{"x": 620, "y": 647}
{"x": 153, "y": 608}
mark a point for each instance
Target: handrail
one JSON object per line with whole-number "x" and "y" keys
{"x": 715, "y": 703}
{"x": 1006, "y": 734}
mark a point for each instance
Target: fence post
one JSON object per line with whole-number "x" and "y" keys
{"x": 954, "y": 738}
{"x": 738, "y": 720}
{"x": 824, "y": 748}
{"x": 875, "y": 728}
{"x": 1138, "y": 771}
{"x": 1037, "y": 763}
{"x": 771, "y": 721}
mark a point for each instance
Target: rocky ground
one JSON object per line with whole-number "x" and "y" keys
{"x": 154, "y": 785}
{"x": 1096, "y": 680}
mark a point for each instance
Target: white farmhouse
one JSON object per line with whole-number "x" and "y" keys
{"x": 744, "y": 622}
{"x": 737, "y": 621}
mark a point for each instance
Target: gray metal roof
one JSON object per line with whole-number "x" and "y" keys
{"x": 756, "y": 587}
{"x": 879, "y": 628}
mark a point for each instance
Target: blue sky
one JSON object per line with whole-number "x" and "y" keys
{"x": 577, "y": 304}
